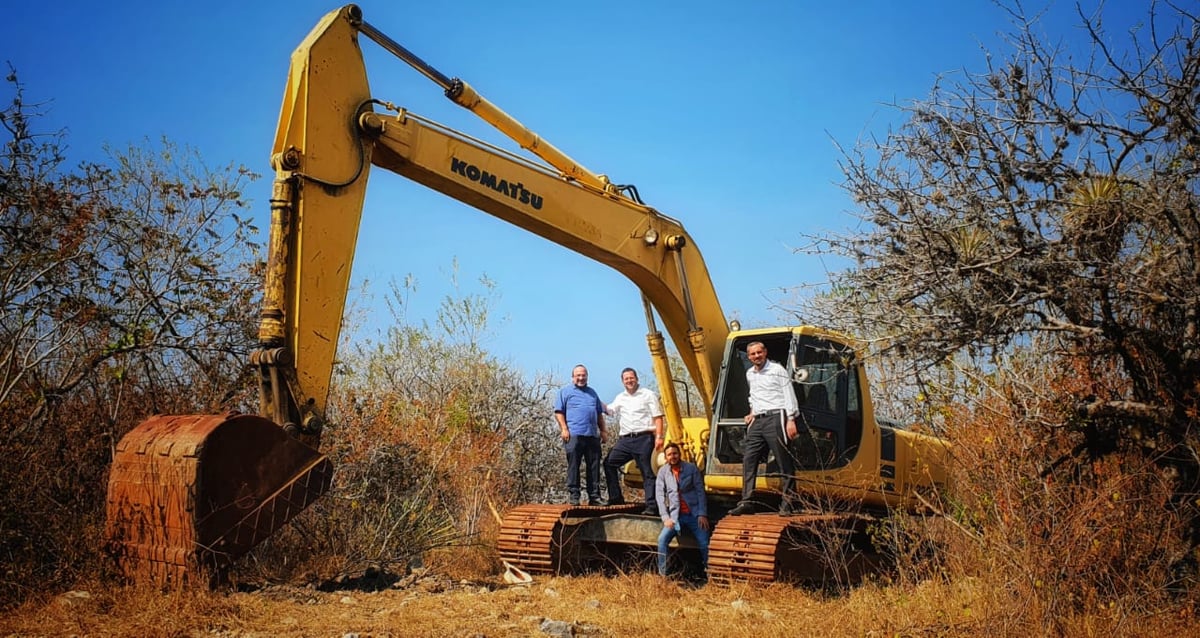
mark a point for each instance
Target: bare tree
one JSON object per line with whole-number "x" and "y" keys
{"x": 1045, "y": 197}
{"x": 1053, "y": 200}
{"x": 126, "y": 288}
{"x": 136, "y": 268}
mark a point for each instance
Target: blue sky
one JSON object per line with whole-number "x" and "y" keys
{"x": 724, "y": 117}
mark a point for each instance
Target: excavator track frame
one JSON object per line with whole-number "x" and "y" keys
{"x": 568, "y": 539}
{"x": 560, "y": 540}
{"x": 795, "y": 548}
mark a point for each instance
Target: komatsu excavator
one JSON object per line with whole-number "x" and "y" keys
{"x": 189, "y": 494}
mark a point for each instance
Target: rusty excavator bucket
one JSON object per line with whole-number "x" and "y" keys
{"x": 189, "y": 494}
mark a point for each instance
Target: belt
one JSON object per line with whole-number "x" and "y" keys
{"x": 642, "y": 433}
{"x": 768, "y": 413}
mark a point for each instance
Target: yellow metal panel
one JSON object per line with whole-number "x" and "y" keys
{"x": 326, "y": 88}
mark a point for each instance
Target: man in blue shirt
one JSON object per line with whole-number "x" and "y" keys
{"x": 580, "y": 416}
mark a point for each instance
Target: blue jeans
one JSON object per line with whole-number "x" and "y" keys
{"x": 690, "y": 523}
{"x": 586, "y": 449}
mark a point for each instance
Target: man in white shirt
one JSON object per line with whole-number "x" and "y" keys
{"x": 640, "y": 415}
{"x": 769, "y": 426}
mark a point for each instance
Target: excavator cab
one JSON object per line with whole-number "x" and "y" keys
{"x": 825, "y": 379}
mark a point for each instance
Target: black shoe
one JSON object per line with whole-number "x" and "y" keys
{"x": 596, "y": 502}
{"x": 574, "y": 502}
{"x": 650, "y": 511}
{"x": 742, "y": 508}
{"x": 618, "y": 501}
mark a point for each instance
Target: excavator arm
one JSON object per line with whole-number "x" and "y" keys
{"x": 330, "y": 135}
{"x": 189, "y": 494}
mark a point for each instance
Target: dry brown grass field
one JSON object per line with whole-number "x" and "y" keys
{"x": 624, "y": 605}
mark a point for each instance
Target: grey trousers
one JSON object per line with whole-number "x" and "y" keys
{"x": 766, "y": 435}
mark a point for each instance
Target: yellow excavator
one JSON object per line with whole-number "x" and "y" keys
{"x": 189, "y": 494}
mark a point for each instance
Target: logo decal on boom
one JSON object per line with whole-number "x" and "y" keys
{"x": 516, "y": 191}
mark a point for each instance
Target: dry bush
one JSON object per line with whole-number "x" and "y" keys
{"x": 125, "y": 290}
{"x": 433, "y": 436}
{"x": 51, "y": 505}
{"x": 53, "y": 484}
{"x": 380, "y": 514}
{"x": 399, "y": 491}
{"x": 1052, "y": 531}
{"x": 1045, "y": 198}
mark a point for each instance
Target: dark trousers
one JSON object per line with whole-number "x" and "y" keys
{"x": 765, "y": 435}
{"x": 586, "y": 449}
{"x": 638, "y": 449}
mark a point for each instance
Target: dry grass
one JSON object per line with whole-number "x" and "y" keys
{"x": 636, "y": 604}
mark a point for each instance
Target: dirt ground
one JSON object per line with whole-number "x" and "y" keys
{"x": 629, "y": 605}
{"x": 624, "y": 605}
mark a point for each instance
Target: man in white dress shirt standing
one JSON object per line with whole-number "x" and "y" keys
{"x": 640, "y": 415}
{"x": 769, "y": 426}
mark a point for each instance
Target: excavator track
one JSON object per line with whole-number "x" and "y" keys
{"x": 540, "y": 538}
{"x": 189, "y": 494}
{"x": 765, "y": 548}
